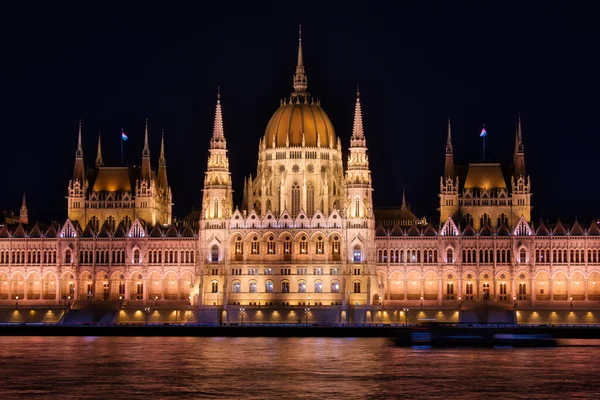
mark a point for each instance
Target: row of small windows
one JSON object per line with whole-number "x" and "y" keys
{"x": 411, "y": 256}
{"x": 486, "y": 256}
{"x": 29, "y": 257}
{"x": 284, "y": 271}
{"x": 285, "y": 287}
{"x": 542, "y": 256}
{"x": 287, "y": 246}
{"x": 170, "y": 256}
{"x": 102, "y": 257}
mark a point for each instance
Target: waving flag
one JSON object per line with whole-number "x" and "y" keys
{"x": 483, "y": 132}
{"x": 124, "y": 135}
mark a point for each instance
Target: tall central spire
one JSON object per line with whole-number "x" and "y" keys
{"x": 300, "y": 80}
{"x": 358, "y": 133}
{"x": 79, "y": 152}
{"x": 449, "y": 165}
{"x": 218, "y": 139}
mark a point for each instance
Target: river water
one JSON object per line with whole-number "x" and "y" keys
{"x": 285, "y": 368}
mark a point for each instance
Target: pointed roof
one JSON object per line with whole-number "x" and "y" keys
{"x": 99, "y": 160}
{"x": 120, "y": 231}
{"x": 594, "y": 230}
{"x": 88, "y": 232}
{"x": 468, "y": 231}
{"x": 79, "y": 151}
{"x": 146, "y": 150}
{"x": 51, "y": 232}
{"x": 19, "y": 232}
{"x": 172, "y": 232}
{"x": 300, "y": 79}
{"x": 4, "y": 233}
{"x": 559, "y": 229}
{"x": 380, "y": 230}
{"x": 485, "y": 231}
{"x": 503, "y": 230}
{"x": 403, "y": 207}
{"x": 519, "y": 157}
{"x": 358, "y": 133}
{"x": 218, "y": 138}
{"x": 541, "y": 229}
{"x": 413, "y": 231}
{"x": 396, "y": 231}
{"x": 576, "y": 229}
{"x": 156, "y": 232}
{"x": 188, "y": 231}
{"x": 79, "y": 169}
{"x": 104, "y": 230}
{"x": 430, "y": 230}
{"x": 35, "y": 232}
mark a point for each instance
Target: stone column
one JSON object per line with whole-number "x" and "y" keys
{"x": 440, "y": 291}
{"x": 551, "y": 290}
{"x": 532, "y": 285}
{"x": 477, "y": 289}
{"x": 569, "y": 291}
{"x": 405, "y": 289}
{"x": 495, "y": 292}
{"x": 585, "y": 281}
{"x": 57, "y": 291}
{"x": 459, "y": 288}
{"x": 145, "y": 291}
{"x": 26, "y": 283}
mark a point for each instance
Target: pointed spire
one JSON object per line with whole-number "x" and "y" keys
{"x": 449, "y": 165}
{"x": 218, "y": 138}
{"x": 146, "y": 151}
{"x": 79, "y": 169}
{"x": 358, "y": 133}
{"x": 24, "y": 215}
{"x": 404, "y": 207}
{"x": 99, "y": 160}
{"x": 519, "y": 157}
{"x": 300, "y": 79}
{"x": 146, "y": 169}
{"x": 79, "y": 152}
{"x": 162, "y": 159}
{"x": 449, "y": 140}
{"x": 162, "y": 164}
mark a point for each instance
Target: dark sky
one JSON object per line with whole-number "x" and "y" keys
{"x": 115, "y": 64}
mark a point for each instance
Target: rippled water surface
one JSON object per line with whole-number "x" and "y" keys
{"x": 285, "y": 368}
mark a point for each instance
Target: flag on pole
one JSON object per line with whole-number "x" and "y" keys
{"x": 483, "y": 132}
{"x": 124, "y": 135}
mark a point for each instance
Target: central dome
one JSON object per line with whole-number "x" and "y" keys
{"x": 295, "y": 118}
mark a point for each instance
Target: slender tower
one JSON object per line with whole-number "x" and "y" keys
{"x": 24, "y": 213}
{"x": 520, "y": 182}
{"x": 78, "y": 185}
{"x": 448, "y": 182}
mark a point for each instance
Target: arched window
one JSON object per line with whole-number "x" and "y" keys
{"x": 502, "y": 219}
{"x": 318, "y": 287}
{"x": 468, "y": 219}
{"x": 449, "y": 256}
{"x": 287, "y": 246}
{"x": 237, "y": 287}
{"x": 268, "y": 205}
{"x": 301, "y": 287}
{"x": 269, "y": 287}
{"x": 271, "y": 245}
{"x": 68, "y": 257}
{"x": 239, "y": 246}
{"x": 285, "y": 287}
{"x": 255, "y": 245}
{"x": 216, "y": 208}
{"x": 295, "y": 199}
{"x": 214, "y": 253}
{"x": 335, "y": 287}
{"x": 485, "y": 220}
{"x": 214, "y": 287}
{"x": 310, "y": 199}
{"x": 303, "y": 247}
{"x": 356, "y": 287}
{"x": 252, "y": 287}
{"x": 357, "y": 255}
{"x": 357, "y": 207}
{"x": 136, "y": 256}
{"x": 336, "y": 246}
{"x": 523, "y": 256}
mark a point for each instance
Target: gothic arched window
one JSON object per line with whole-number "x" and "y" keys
{"x": 310, "y": 199}
{"x": 295, "y": 199}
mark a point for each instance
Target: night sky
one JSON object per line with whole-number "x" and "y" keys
{"x": 115, "y": 64}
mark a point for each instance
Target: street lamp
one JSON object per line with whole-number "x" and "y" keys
{"x": 69, "y": 302}
{"x": 306, "y": 312}
{"x": 348, "y": 311}
{"x": 421, "y": 301}
{"x": 405, "y": 310}
{"x": 147, "y": 312}
{"x": 156, "y": 300}
{"x": 242, "y": 312}
{"x": 309, "y": 300}
{"x": 189, "y": 301}
{"x": 17, "y": 303}
{"x": 571, "y": 301}
{"x": 259, "y": 301}
{"x": 459, "y": 302}
{"x": 120, "y": 301}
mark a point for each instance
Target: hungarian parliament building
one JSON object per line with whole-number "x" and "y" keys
{"x": 306, "y": 236}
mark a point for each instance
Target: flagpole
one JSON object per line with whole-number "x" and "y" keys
{"x": 484, "y": 148}
{"x": 122, "y": 146}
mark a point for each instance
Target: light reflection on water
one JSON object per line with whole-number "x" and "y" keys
{"x": 285, "y": 368}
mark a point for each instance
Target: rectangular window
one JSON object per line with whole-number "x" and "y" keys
{"x": 255, "y": 247}
{"x": 320, "y": 248}
{"x": 270, "y": 247}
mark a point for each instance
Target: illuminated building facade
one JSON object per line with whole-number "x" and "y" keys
{"x": 305, "y": 239}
